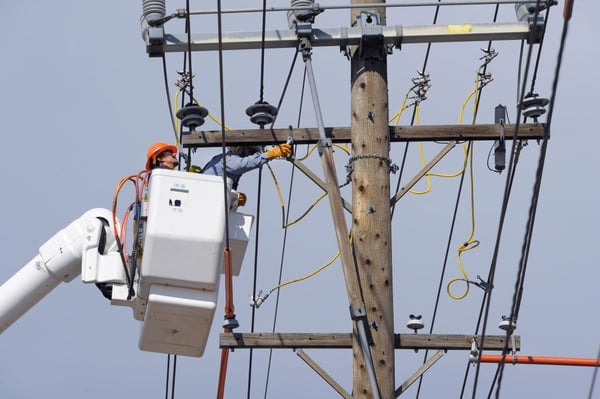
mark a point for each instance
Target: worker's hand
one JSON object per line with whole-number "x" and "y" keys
{"x": 241, "y": 199}
{"x": 281, "y": 150}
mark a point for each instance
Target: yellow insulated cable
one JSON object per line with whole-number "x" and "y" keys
{"x": 305, "y": 277}
{"x": 469, "y": 243}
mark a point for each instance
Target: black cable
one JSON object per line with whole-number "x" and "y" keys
{"x": 594, "y": 375}
{"x": 280, "y": 277}
{"x": 255, "y": 275}
{"x": 223, "y": 124}
{"x": 493, "y": 382}
{"x": 535, "y": 197}
{"x": 515, "y": 152}
{"x": 443, "y": 272}
{"x": 167, "y": 381}
{"x": 537, "y": 61}
{"x": 440, "y": 285}
{"x": 189, "y": 44}
{"x": 262, "y": 52}
{"x": 488, "y": 295}
{"x": 285, "y": 86}
{"x": 167, "y": 91}
{"x": 174, "y": 374}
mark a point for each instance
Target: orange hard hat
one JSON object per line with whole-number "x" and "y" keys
{"x": 155, "y": 150}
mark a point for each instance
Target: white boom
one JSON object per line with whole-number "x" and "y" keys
{"x": 58, "y": 260}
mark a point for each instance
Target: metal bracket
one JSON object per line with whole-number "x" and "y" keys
{"x": 358, "y": 315}
{"x": 371, "y": 41}
{"x": 474, "y": 354}
{"x": 536, "y": 30}
{"x": 324, "y": 143}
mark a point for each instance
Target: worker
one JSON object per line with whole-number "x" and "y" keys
{"x": 240, "y": 160}
{"x": 161, "y": 155}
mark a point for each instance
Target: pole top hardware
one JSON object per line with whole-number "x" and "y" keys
{"x": 261, "y": 113}
{"x": 371, "y": 41}
{"x": 414, "y": 322}
{"x": 192, "y": 116}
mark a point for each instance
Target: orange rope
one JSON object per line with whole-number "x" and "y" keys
{"x": 556, "y": 361}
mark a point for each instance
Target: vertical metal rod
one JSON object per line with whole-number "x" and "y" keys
{"x": 315, "y": 97}
{"x": 333, "y": 186}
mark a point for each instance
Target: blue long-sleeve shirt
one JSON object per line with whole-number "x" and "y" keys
{"x": 236, "y": 165}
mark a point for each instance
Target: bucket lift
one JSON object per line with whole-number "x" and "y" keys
{"x": 176, "y": 287}
{"x": 183, "y": 257}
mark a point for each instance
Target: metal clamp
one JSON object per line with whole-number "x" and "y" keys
{"x": 371, "y": 41}
{"x": 358, "y": 315}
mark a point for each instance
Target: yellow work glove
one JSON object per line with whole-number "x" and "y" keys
{"x": 281, "y": 150}
{"x": 241, "y": 199}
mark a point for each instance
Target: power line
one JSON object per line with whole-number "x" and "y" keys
{"x": 538, "y": 181}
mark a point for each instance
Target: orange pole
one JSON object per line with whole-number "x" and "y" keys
{"x": 229, "y": 313}
{"x": 568, "y": 9}
{"x": 222, "y": 373}
{"x": 229, "y": 307}
{"x": 549, "y": 360}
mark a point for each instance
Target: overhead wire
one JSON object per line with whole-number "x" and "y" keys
{"x": 510, "y": 176}
{"x": 168, "y": 93}
{"x": 594, "y": 376}
{"x": 526, "y": 247}
{"x": 404, "y": 156}
{"x": 229, "y": 305}
{"x": 179, "y": 132}
{"x": 451, "y": 232}
{"x": 445, "y": 261}
{"x": 262, "y": 52}
{"x": 255, "y": 276}
{"x": 280, "y": 277}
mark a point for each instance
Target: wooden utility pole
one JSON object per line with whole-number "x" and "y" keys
{"x": 371, "y": 228}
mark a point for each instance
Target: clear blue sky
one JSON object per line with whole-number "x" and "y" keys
{"x": 81, "y": 102}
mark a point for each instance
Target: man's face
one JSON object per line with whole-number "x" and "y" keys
{"x": 167, "y": 160}
{"x": 247, "y": 151}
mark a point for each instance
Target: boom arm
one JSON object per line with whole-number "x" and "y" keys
{"x": 61, "y": 258}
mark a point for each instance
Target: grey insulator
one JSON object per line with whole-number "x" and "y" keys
{"x": 534, "y": 106}
{"x": 300, "y": 15}
{"x": 192, "y": 116}
{"x": 527, "y": 9}
{"x": 261, "y": 113}
{"x": 154, "y": 8}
